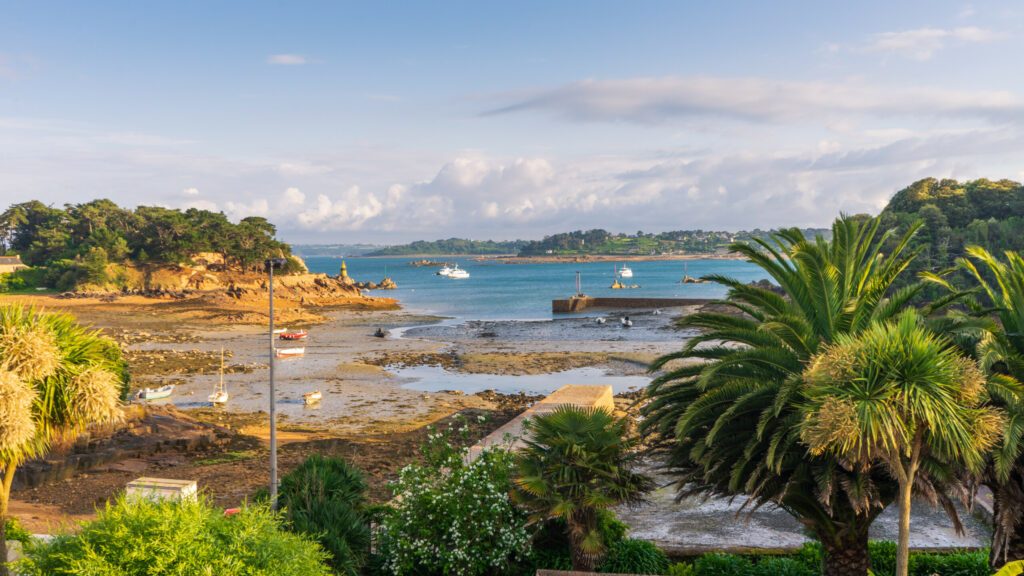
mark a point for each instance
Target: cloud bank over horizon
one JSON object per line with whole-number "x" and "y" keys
{"x": 391, "y": 139}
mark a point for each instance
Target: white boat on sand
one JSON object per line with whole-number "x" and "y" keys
{"x": 290, "y": 352}
{"x": 156, "y": 393}
{"x": 312, "y": 397}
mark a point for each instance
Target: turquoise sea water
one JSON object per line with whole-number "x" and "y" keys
{"x": 499, "y": 291}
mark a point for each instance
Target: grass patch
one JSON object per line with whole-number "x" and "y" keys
{"x": 227, "y": 458}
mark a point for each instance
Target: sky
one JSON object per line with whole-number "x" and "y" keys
{"x": 386, "y": 122}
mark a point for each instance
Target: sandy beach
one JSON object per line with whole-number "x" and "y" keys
{"x": 379, "y": 394}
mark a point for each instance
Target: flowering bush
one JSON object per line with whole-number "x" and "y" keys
{"x": 453, "y": 516}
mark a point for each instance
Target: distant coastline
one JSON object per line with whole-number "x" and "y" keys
{"x": 582, "y": 258}
{"x": 561, "y": 259}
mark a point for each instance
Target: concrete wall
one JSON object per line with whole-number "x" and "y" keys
{"x": 580, "y": 303}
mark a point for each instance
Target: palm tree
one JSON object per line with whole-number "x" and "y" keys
{"x": 575, "y": 464}
{"x": 898, "y": 394}
{"x": 1000, "y": 349}
{"x": 726, "y": 411}
{"x": 326, "y": 498}
{"x": 56, "y": 377}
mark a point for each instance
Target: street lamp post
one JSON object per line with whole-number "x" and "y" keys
{"x": 271, "y": 264}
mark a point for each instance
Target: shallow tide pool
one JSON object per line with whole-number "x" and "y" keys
{"x": 436, "y": 379}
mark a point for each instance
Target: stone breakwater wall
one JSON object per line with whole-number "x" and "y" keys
{"x": 580, "y": 303}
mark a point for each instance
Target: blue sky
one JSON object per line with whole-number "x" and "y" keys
{"x": 387, "y": 122}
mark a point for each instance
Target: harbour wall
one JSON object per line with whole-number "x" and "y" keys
{"x": 580, "y": 303}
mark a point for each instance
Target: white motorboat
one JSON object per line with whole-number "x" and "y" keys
{"x": 446, "y": 270}
{"x": 626, "y": 271}
{"x": 156, "y": 393}
{"x": 312, "y": 397}
{"x": 458, "y": 273}
{"x": 290, "y": 352}
{"x": 220, "y": 393}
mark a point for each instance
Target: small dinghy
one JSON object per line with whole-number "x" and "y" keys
{"x": 294, "y": 335}
{"x": 600, "y": 320}
{"x": 626, "y": 322}
{"x": 280, "y": 330}
{"x": 290, "y": 352}
{"x": 312, "y": 397}
{"x": 156, "y": 393}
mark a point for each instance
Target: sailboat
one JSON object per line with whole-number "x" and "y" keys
{"x": 220, "y": 393}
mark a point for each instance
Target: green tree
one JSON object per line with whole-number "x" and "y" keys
{"x": 898, "y": 394}
{"x": 56, "y": 377}
{"x": 575, "y": 464}
{"x": 326, "y": 499}
{"x": 1000, "y": 349}
{"x": 725, "y": 413}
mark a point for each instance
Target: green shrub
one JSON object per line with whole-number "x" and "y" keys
{"x": 956, "y": 564}
{"x": 782, "y": 566}
{"x": 550, "y": 543}
{"x": 24, "y": 279}
{"x": 454, "y": 517}
{"x": 15, "y": 532}
{"x": 883, "y": 557}
{"x": 177, "y": 538}
{"x": 681, "y": 569}
{"x": 326, "y": 499}
{"x": 629, "y": 556}
{"x": 722, "y": 565}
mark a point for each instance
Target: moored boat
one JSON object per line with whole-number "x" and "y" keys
{"x": 312, "y": 397}
{"x": 220, "y": 393}
{"x": 445, "y": 271}
{"x": 290, "y": 352}
{"x": 294, "y": 335}
{"x": 626, "y": 271}
{"x": 156, "y": 393}
{"x": 458, "y": 273}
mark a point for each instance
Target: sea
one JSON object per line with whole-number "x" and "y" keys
{"x": 499, "y": 290}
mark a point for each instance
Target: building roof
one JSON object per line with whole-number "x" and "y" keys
{"x": 8, "y": 260}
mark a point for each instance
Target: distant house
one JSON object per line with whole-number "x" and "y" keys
{"x": 9, "y": 264}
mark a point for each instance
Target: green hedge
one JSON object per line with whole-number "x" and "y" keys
{"x": 807, "y": 562}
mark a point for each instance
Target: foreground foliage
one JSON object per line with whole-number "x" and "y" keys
{"x": 1000, "y": 348}
{"x": 56, "y": 377}
{"x": 899, "y": 395}
{"x": 325, "y": 498}
{"x": 577, "y": 462}
{"x": 452, "y": 516}
{"x": 726, "y": 416}
{"x": 189, "y": 538}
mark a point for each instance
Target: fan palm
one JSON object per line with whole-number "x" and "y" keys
{"x": 326, "y": 498}
{"x": 576, "y": 462}
{"x": 1000, "y": 349}
{"x": 726, "y": 411}
{"x": 56, "y": 377}
{"x": 895, "y": 394}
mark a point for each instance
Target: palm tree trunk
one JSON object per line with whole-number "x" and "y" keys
{"x": 903, "y": 539}
{"x": 5, "y": 497}
{"x": 579, "y": 527}
{"x": 847, "y": 554}
{"x": 1007, "y": 520}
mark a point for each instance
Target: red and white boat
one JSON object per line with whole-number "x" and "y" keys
{"x": 294, "y": 335}
{"x": 290, "y": 352}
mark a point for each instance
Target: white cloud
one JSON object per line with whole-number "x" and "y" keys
{"x": 659, "y": 99}
{"x": 190, "y": 192}
{"x": 201, "y": 205}
{"x": 923, "y": 43}
{"x": 239, "y": 210}
{"x": 286, "y": 59}
{"x": 295, "y": 196}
